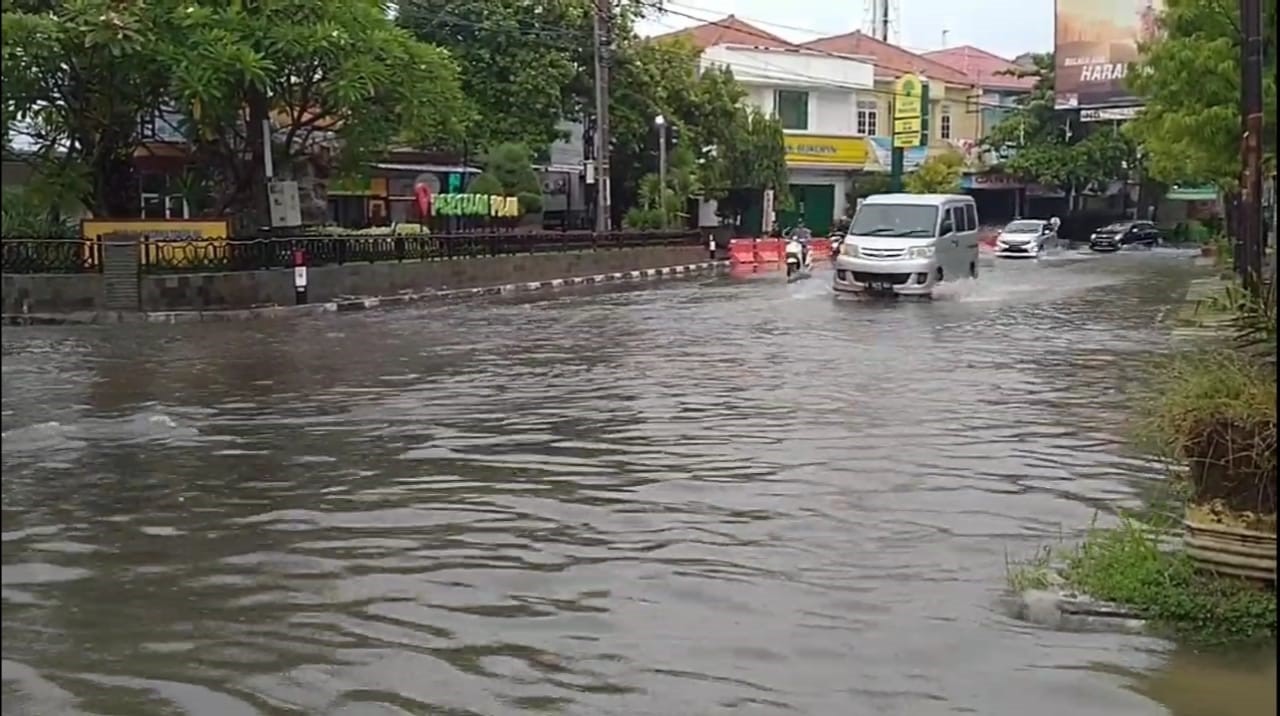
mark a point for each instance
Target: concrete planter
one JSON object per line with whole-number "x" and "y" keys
{"x": 1231, "y": 549}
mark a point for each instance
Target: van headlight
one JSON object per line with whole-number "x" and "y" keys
{"x": 920, "y": 252}
{"x": 850, "y": 250}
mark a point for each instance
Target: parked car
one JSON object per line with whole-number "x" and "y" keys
{"x": 1114, "y": 237}
{"x": 1027, "y": 238}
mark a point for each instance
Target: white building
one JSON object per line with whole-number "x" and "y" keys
{"x": 817, "y": 99}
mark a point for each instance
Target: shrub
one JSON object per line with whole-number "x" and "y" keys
{"x": 1217, "y": 412}
{"x": 24, "y": 216}
{"x": 485, "y": 183}
{"x": 642, "y": 219}
{"x": 508, "y": 171}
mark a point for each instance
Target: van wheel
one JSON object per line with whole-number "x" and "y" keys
{"x": 939, "y": 273}
{"x": 973, "y": 269}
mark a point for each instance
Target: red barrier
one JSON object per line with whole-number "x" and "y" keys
{"x": 755, "y": 251}
{"x": 742, "y": 251}
{"x": 820, "y": 249}
{"x": 771, "y": 251}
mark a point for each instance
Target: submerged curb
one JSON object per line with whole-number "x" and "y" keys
{"x": 1068, "y": 610}
{"x": 1186, "y": 325}
{"x": 349, "y": 305}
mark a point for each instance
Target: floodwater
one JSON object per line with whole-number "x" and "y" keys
{"x": 727, "y": 496}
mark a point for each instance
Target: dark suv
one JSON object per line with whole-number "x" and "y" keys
{"x": 1114, "y": 237}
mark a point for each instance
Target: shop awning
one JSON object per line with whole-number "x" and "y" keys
{"x": 1208, "y": 192}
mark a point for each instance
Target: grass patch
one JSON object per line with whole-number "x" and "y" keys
{"x": 1035, "y": 572}
{"x": 1125, "y": 564}
{"x": 1128, "y": 565}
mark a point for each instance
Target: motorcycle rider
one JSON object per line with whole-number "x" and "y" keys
{"x": 801, "y": 234}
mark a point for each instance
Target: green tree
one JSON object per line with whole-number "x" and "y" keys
{"x": 1039, "y": 143}
{"x": 937, "y": 175}
{"x": 1189, "y": 128}
{"x": 519, "y": 59}
{"x": 664, "y": 207}
{"x": 76, "y": 76}
{"x": 736, "y": 152}
{"x": 508, "y": 171}
{"x": 337, "y": 81}
{"x": 865, "y": 186}
{"x": 751, "y": 159}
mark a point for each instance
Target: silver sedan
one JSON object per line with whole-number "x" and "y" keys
{"x": 1027, "y": 238}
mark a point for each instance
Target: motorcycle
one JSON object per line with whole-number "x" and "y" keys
{"x": 799, "y": 260}
{"x": 836, "y": 242}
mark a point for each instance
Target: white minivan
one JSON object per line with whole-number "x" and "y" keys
{"x": 907, "y": 244}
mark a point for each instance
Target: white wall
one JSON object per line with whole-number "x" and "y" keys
{"x": 833, "y": 83}
{"x": 797, "y": 68}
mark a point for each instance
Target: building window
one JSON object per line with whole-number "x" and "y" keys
{"x": 792, "y": 108}
{"x": 944, "y": 122}
{"x": 162, "y": 197}
{"x": 868, "y": 118}
{"x": 147, "y": 126}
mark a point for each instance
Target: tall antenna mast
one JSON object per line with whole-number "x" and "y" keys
{"x": 881, "y": 20}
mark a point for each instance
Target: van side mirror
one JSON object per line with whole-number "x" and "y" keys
{"x": 947, "y": 227}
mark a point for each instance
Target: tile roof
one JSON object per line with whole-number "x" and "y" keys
{"x": 889, "y": 60}
{"x": 729, "y": 31}
{"x": 982, "y": 67}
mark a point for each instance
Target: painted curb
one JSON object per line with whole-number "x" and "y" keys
{"x": 352, "y": 304}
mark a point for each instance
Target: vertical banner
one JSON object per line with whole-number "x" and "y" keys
{"x": 1095, "y": 42}
{"x": 908, "y": 111}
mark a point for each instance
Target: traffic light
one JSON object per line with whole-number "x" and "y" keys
{"x": 673, "y": 136}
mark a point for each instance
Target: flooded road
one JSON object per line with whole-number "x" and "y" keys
{"x": 721, "y": 497}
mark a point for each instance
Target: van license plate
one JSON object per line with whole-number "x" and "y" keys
{"x": 880, "y": 286}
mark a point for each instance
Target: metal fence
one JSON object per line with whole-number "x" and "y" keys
{"x": 51, "y": 256}
{"x": 220, "y": 255}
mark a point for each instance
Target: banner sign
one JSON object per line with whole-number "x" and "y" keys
{"x": 1095, "y": 42}
{"x": 907, "y": 112}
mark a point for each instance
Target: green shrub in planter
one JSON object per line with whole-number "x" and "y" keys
{"x": 1216, "y": 412}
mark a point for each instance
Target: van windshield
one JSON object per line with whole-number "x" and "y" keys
{"x": 906, "y": 220}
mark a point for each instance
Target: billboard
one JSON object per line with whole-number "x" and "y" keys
{"x": 1095, "y": 41}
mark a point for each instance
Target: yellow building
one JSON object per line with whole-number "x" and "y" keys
{"x": 955, "y": 120}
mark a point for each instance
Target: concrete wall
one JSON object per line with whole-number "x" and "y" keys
{"x": 49, "y": 293}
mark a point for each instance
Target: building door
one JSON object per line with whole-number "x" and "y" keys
{"x": 815, "y": 203}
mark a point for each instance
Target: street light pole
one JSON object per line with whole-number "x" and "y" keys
{"x": 661, "y": 123}
{"x": 602, "y": 41}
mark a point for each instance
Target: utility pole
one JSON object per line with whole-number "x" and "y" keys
{"x": 1250, "y": 222}
{"x": 602, "y": 33}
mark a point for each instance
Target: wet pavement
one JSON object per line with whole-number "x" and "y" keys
{"x": 703, "y": 497}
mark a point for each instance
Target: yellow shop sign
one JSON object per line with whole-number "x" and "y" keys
{"x": 810, "y": 149}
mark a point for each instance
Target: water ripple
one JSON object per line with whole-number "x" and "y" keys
{"x": 715, "y": 497}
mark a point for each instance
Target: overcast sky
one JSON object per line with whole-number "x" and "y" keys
{"x": 1005, "y": 27}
